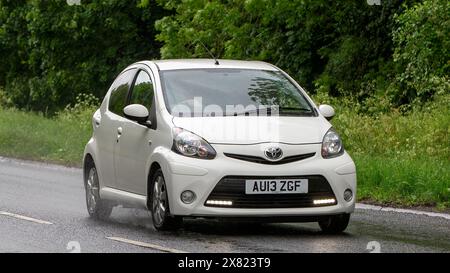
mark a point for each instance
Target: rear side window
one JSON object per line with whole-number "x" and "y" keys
{"x": 143, "y": 90}
{"x": 119, "y": 92}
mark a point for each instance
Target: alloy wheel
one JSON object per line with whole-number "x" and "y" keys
{"x": 159, "y": 200}
{"x": 92, "y": 191}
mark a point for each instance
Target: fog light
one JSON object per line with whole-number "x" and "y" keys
{"x": 348, "y": 195}
{"x": 324, "y": 201}
{"x": 219, "y": 203}
{"x": 188, "y": 197}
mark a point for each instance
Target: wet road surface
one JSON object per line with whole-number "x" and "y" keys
{"x": 42, "y": 209}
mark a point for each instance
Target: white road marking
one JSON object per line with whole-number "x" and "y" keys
{"x": 26, "y": 218}
{"x": 146, "y": 245}
{"x": 409, "y": 211}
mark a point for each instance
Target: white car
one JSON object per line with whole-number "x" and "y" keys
{"x": 239, "y": 140}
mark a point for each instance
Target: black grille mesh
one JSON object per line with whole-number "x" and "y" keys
{"x": 232, "y": 188}
{"x": 260, "y": 160}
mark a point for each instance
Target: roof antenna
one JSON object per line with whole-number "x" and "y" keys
{"x": 209, "y": 52}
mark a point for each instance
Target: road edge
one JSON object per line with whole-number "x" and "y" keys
{"x": 363, "y": 206}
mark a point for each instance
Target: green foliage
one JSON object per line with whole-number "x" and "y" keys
{"x": 338, "y": 47}
{"x": 81, "y": 110}
{"x": 423, "y": 132}
{"x": 59, "y": 139}
{"x": 401, "y": 158}
{"x": 412, "y": 182}
{"x": 422, "y": 52}
{"x": 32, "y": 136}
{"x": 397, "y": 51}
{"x": 51, "y": 52}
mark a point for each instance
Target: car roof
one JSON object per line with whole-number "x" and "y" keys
{"x": 177, "y": 64}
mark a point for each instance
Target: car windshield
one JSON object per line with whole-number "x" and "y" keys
{"x": 232, "y": 92}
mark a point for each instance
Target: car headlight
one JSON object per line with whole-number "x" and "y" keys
{"x": 189, "y": 144}
{"x": 332, "y": 145}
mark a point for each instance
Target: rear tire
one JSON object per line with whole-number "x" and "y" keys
{"x": 96, "y": 207}
{"x": 159, "y": 205}
{"x": 335, "y": 224}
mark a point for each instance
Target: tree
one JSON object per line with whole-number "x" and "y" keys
{"x": 333, "y": 45}
{"x": 422, "y": 52}
{"x": 58, "y": 51}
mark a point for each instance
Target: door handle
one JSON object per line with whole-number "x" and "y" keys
{"x": 119, "y": 133}
{"x": 97, "y": 118}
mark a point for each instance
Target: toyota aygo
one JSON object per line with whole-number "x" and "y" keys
{"x": 222, "y": 139}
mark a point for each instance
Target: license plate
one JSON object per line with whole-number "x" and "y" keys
{"x": 276, "y": 186}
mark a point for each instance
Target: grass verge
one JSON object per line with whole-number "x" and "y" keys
{"x": 31, "y": 136}
{"x": 407, "y": 182}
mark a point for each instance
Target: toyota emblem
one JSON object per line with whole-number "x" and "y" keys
{"x": 274, "y": 153}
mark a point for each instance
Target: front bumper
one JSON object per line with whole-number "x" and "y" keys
{"x": 202, "y": 177}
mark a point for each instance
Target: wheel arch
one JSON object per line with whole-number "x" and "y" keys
{"x": 153, "y": 168}
{"x": 88, "y": 160}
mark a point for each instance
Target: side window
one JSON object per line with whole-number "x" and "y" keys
{"x": 119, "y": 92}
{"x": 143, "y": 90}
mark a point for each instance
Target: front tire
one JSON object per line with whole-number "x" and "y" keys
{"x": 162, "y": 219}
{"x": 335, "y": 224}
{"x": 97, "y": 208}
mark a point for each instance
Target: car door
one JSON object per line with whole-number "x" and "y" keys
{"x": 135, "y": 143}
{"x": 110, "y": 122}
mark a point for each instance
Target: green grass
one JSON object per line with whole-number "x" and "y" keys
{"x": 31, "y": 136}
{"x": 401, "y": 159}
{"x": 411, "y": 182}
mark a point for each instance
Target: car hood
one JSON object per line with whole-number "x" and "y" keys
{"x": 256, "y": 129}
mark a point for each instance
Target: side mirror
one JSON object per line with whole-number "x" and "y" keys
{"x": 138, "y": 113}
{"x": 327, "y": 111}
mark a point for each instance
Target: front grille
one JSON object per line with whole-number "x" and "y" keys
{"x": 232, "y": 188}
{"x": 260, "y": 160}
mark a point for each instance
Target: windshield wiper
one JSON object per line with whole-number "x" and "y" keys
{"x": 298, "y": 109}
{"x": 270, "y": 110}
{"x": 295, "y": 111}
